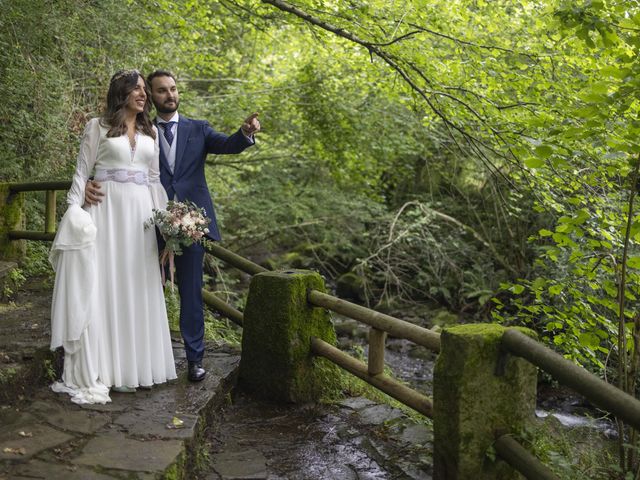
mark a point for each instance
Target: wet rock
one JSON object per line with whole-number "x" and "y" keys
{"x": 114, "y": 450}
{"x": 324, "y": 442}
{"x": 246, "y": 464}
{"x": 417, "y": 435}
{"x": 158, "y": 424}
{"x": 356, "y": 403}
{"x": 379, "y": 414}
{"x": 51, "y": 471}
{"x": 70, "y": 418}
{"x": 412, "y": 472}
{"x": 350, "y": 286}
{"x": 352, "y": 329}
{"x": 23, "y": 436}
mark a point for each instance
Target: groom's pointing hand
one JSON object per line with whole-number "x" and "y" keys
{"x": 251, "y": 125}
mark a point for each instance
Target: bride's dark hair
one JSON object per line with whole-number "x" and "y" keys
{"x": 121, "y": 85}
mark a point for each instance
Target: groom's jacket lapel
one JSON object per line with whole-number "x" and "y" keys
{"x": 184, "y": 130}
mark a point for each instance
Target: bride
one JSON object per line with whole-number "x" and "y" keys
{"x": 108, "y": 309}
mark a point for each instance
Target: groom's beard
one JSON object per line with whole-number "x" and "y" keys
{"x": 163, "y": 108}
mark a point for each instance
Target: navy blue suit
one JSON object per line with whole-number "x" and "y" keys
{"x": 195, "y": 140}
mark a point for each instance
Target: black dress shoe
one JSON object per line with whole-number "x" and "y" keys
{"x": 196, "y": 372}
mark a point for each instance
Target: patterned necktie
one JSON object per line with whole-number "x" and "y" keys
{"x": 168, "y": 133}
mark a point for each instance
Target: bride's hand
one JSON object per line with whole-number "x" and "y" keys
{"x": 92, "y": 193}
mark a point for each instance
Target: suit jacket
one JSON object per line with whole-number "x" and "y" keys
{"x": 196, "y": 139}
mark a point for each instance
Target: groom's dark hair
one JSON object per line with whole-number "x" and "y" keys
{"x": 160, "y": 73}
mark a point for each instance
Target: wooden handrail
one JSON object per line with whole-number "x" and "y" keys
{"x": 27, "y": 235}
{"x": 223, "y": 307}
{"x": 388, "y": 385}
{"x": 40, "y": 186}
{"x": 234, "y": 259}
{"x": 521, "y": 459}
{"x": 601, "y": 393}
{"x": 50, "y": 208}
{"x": 394, "y": 326}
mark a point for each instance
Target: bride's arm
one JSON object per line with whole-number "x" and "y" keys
{"x": 158, "y": 193}
{"x": 85, "y": 163}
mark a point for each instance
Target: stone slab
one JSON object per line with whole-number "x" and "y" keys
{"x": 379, "y": 414}
{"x": 194, "y": 396}
{"x": 157, "y": 424}
{"x": 356, "y": 403}
{"x": 35, "y": 438}
{"x": 115, "y": 451}
{"x": 69, "y": 417}
{"x": 240, "y": 465}
{"x": 417, "y": 435}
{"x": 56, "y": 471}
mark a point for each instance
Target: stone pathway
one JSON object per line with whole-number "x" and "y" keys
{"x": 153, "y": 433}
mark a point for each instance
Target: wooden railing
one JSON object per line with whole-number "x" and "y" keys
{"x": 602, "y": 394}
{"x": 50, "y": 208}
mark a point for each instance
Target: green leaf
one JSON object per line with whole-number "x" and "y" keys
{"x": 533, "y": 162}
{"x": 543, "y": 151}
{"x": 555, "y": 289}
{"x": 589, "y": 340}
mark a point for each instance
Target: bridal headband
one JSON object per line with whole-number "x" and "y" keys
{"x": 124, "y": 73}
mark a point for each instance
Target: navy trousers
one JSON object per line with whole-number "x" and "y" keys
{"x": 189, "y": 278}
{"x": 189, "y": 272}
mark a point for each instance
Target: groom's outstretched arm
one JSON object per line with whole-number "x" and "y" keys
{"x": 220, "y": 143}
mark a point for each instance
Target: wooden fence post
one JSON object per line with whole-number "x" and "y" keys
{"x": 11, "y": 218}
{"x": 277, "y": 362}
{"x": 478, "y": 391}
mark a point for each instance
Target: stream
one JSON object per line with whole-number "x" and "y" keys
{"x": 355, "y": 438}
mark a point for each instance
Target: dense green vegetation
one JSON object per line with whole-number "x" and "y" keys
{"x": 476, "y": 156}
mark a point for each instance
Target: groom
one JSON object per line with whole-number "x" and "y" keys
{"x": 184, "y": 145}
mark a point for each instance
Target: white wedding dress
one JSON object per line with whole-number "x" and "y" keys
{"x": 108, "y": 309}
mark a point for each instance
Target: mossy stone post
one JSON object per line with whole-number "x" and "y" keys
{"x": 11, "y": 218}
{"x": 472, "y": 402}
{"x": 277, "y": 363}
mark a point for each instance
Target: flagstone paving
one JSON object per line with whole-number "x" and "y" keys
{"x": 152, "y": 433}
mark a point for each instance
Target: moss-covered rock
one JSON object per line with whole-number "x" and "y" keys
{"x": 296, "y": 260}
{"x": 444, "y": 318}
{"x": 472, "y": 403}
{"x": 349, "y": 285}
{"x": 276, "y": 362}
{"x": 11, "y": 218}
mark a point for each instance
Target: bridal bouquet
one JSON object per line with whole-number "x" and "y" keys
{"x": 181, "y": 225}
